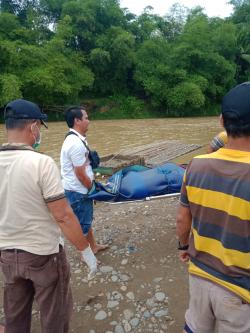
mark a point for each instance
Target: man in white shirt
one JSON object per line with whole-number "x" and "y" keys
{"x": 76, "y": 171}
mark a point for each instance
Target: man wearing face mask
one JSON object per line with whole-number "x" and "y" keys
{"x": 33, "y": 213}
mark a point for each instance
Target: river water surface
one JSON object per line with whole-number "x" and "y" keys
{"x": 113, "y": 136}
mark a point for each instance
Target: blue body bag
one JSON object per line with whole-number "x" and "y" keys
{"x": 138, "y": 182}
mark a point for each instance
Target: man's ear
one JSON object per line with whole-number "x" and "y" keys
{"x": 31, "y": 127}
{"x": 221, "y": 121}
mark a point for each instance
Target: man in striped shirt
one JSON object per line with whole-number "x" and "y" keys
{"x": 213, "y": 226}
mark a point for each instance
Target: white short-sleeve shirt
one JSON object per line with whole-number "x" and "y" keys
{"x": 74, "y": 154}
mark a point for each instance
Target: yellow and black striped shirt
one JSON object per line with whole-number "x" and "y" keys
{"x": 216, "y": 188}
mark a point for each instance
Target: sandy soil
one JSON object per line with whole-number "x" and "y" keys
{"x": 141, "y": 285}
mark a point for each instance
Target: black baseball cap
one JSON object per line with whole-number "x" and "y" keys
{"x": 237, "y": 102}
{"x": 22, "y": 109}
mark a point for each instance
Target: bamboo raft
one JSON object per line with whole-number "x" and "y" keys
{"x": 118, "y": 161}
{"x": 161, "y": 152}
{"x": 151, "y": 155}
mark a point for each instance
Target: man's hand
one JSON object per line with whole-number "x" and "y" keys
{"x": 93, "y": 188}
{"x": 90, "y": 259}
{"x": 184, "y": 256}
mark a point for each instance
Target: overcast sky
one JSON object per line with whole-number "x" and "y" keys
{"x": 212, "y": 8}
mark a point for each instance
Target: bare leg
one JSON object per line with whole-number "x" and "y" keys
{"x": 1, "y": 329}
{"x": 94, "y": 246}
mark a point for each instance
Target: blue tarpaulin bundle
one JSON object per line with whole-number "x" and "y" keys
{"x": 138, "y": 182}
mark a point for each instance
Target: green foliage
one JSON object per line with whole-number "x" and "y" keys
{"x": 120, "y": 107}
{"x": 241, "y": 20}
{"x": 241, "y": 13}
{"x": 58, "y": 80}
{"x": 8, "y": 26}
{"x": 10, "y": 88}
{"x": 200, "y": 52}
{"x": 185, "y": 97}
{"x": 58, "y": 52}
{"x": 115, "y": 50}
{"x": 152, "y": 69}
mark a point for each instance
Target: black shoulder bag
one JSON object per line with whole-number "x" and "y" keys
{"x": 93, "y": 155}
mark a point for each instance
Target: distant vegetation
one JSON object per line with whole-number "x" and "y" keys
{"x": 62, "y": 52}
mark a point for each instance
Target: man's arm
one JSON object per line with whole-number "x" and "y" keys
{"x": 68, "y": 222}
{"x": 183, "y": 228}
{"x": 51, "y": 188}
{"x": 219, "y": 141}
{"x": 78, "y": 155}
{"x": 70, "y": 226}
{"x": 82, "y": 176}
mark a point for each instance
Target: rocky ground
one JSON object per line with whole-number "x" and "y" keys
{"x": 141, "y": 285}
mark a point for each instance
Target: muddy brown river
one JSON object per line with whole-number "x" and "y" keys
{"x": 113, "y": 136}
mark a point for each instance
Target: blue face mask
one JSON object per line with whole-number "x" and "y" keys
{"x": 38, "y": 139}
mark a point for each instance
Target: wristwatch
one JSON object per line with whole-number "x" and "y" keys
{"x": 182, "y": 247}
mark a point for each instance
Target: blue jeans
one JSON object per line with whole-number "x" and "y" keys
{"x": 82, "y": 208}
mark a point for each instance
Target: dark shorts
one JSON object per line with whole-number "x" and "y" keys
{"x": 82, "y": 207}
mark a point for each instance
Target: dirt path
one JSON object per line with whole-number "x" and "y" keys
{"x": 141, "y": 286}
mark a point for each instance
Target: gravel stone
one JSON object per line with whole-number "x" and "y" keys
{"x": 106, "y": 269}
{"x": 101, "y": 315}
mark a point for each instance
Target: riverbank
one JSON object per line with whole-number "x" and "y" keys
{"x": 123, "y": 107}
{"x": 128, "y": 107}
{"x": 141, "y": 285}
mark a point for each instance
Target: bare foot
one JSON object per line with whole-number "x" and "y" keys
{"x": 100, "y": 247}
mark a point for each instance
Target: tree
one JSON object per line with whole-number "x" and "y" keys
{"x": 174, "y": 21}
{"x": 241, "y": 20}
{"x": 112, "y": 61}
{"x": 10, "y": 88}
{"x": 60, "y": 75}
{"x": 10, "y": 6}
{"x": 199, "y": 52}
{"x": 152, "y": 69}
{"x": 90, "y": 19}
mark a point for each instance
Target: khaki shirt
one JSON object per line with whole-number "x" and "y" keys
{"x": 28, "y": 181}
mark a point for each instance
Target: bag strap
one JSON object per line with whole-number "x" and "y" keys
{"x": 73, "y": 133}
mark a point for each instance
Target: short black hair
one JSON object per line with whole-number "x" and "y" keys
{"x": 72, "y": 113}
{"x": 234, "y": 126}
{"x": 13, "y": 123}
